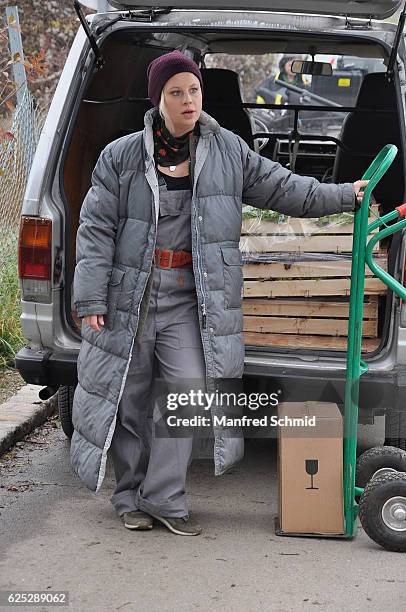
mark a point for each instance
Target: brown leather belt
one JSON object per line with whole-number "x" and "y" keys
{"x": 166, "y": 258}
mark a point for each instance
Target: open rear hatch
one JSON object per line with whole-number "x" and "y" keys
{"x": 375, "y": 9}
{"x": 310, "y": 306}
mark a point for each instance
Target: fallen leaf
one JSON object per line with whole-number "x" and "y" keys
{"x": 18, "y": 487}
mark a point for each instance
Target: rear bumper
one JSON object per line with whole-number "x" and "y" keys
{"x": 47, "y": 368}
{"x": 379, "y": 392}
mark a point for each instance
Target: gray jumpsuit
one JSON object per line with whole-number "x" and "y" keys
{"x": 151, "y": 471}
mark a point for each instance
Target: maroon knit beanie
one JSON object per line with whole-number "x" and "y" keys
{"x": 161, "y": 69}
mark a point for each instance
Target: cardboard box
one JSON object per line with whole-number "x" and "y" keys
{"x": 310, "y": 466}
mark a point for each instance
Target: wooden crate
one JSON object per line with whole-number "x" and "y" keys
{"x": 295, "y": 341}
{"x": 305, "y": 303}
{"x": 298, "y": 317}
{"x": 307, "y": 278}
{"x": 299, "y": 235}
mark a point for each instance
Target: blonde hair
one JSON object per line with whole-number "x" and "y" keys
{"x": 161, "y": 105}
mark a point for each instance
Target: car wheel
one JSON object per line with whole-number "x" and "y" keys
{"x": 395, "y": 429}
{"x": 65, "y": 403}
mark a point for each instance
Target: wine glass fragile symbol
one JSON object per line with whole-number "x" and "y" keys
{"x": 312, "y": 467}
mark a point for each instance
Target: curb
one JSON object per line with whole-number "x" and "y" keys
{"x": 22, "y": 413}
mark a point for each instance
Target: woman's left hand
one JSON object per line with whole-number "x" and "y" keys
{"x": 357, "y": 187}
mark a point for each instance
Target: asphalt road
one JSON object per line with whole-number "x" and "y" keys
{"x": 56, "y": 535}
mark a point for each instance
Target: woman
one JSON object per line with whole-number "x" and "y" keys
{"x": 158, "y": 283}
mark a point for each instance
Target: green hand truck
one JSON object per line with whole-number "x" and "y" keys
{"x": 379, "y": 473}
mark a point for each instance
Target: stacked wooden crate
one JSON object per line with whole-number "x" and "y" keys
{"x": 297, "y": 276}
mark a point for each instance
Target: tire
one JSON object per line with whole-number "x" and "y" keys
{"x": 379, "y": 458}
{"x": 395, "y": 429}
{"x": 65, "y": 403}
{"x": 381, "y": 496}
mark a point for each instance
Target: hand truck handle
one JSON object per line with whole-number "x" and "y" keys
{"x": 374, "y": 173}
{"x": 391, "y": 282}
{"x": 378, "y": 167}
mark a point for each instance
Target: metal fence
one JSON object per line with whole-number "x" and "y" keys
{"x": 16, "y": 156}
{"x": 19, "y": 140}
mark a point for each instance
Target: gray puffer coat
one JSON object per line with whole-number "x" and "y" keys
{"x": 114, "y": 256}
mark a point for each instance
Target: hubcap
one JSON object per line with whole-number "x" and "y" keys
{"x": 394, "y": 513}
{"x": 383, "y": 471}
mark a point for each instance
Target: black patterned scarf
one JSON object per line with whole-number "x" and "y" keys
{"x": 170, "y": 150}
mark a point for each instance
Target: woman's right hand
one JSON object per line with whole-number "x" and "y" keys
{"x": 94, "y": 321}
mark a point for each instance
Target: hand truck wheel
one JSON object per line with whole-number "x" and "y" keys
{"x": 378, "y": 461}
{"x": 382, "y": 511}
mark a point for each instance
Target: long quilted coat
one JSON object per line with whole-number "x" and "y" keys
{"x": 114, "y": 257}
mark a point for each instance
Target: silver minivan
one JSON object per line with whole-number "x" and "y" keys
{"x": 102, "y": 95}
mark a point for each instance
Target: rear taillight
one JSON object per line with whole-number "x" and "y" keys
{"x": 34, "y": 258}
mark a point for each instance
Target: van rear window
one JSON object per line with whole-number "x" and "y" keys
{"x": 268, "y": 79}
